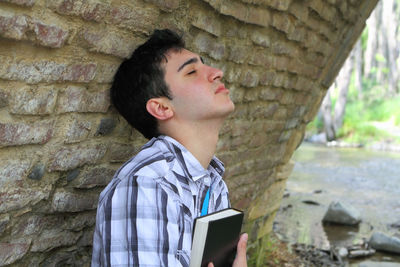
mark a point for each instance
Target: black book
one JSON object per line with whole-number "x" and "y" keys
{"x": 215, "y": 238}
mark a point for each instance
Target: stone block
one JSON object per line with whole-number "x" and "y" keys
{"x": 287, "y": 98}
{"x": 250, "y": 96}
{"x": 27, "y": 3}
{"x": 86, "y": 240}
{"x": 110, "y": 43}
{"x": 71, "y": 157}
{"x": 106, "y": 126}
{"x": 13, "y": 26}
{"x": 14, "y": 197}
{"x": 283, "y": 22}
{"x": 285, "y": 136}
{"x": 239, "y": 128}
{"x": 12, "y": 171}
{"x": 33, "y": 101}
{"x": 4, "y": 220}
{"x": 78, "y": 99}
{"x": 78, "y": 130}
{"x": 283, "y": 171}
{"x": 90, "y": 10}
{"x": 283, "y": 48}
{"x": 268, "y": 202}
{"x": 299, "y": 10}
{"x": 209, "y": 45}
{"x": 327, "y": 12}
{"x": 258, "y": 16}
{"x": 281, "y": 5}
{"x": 238, "y": 54}
{"x": 262, "y": 59}
{"x": 79, "y": 221}
{"x": 105, "y": 73}
{"x": 207, "y": 22}
{"x": 28, "y": 226}
{"x": 267, "y": 77}
{"x": 4, "y": 98}
{"x": 23, "y": 27}
{"x": 37, "y": 172}
{"x": 166, "y": 5}
{"x": 299, "y": 34}
{"x": 249, "y": 79}
{"x": 16, "y": 134}
{"x": 49, "y": 35}
{"x": 269, "y": 93}
{"x": 50, "y": 239}
{"x": 280, "y": 114}
{"x": 64, "y": 201}
{"x": 45, "y": 71}
{"x": 139, "y": 18}
{"x": 234, "y": 9}
{"x": 79, "y": 72}
{"x": 122, "y": 152}
{"x": 263, "y": 110}
{"x": 97, "y": 176}
{"x": 261, "y": 37}
{"x": 282, "y": 63}
{"x": 11, "y": 252}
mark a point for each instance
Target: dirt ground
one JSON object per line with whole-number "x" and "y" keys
{"x": 280, "y": 254}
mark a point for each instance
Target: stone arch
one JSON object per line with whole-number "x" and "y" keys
{"x": 61, "y": 141}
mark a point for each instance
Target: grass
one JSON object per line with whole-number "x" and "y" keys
{"x": 360, "y": 115}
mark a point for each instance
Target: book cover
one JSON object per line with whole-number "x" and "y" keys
{"x": 215, "y": 238}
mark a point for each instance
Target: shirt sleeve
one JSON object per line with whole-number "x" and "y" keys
{"x": 141, "y": 225}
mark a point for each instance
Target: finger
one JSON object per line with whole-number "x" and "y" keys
{"x": 242, "y": 245}
{"x": 210, "y": 264}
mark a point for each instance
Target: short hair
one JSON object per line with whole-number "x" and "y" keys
{"x": 141, "y": 77}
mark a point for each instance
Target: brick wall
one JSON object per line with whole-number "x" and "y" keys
{"x": 61, "y": 141}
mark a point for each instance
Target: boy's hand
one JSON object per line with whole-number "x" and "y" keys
{"x": 241, "y": 259}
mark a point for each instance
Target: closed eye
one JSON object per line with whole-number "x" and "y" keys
{"x": 191, "y": 72}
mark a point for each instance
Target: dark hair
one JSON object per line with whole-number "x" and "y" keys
{"x": 141, "y": 77}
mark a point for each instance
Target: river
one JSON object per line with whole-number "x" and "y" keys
{"x": 367, "y": 180}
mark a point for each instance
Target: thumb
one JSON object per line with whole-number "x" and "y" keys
{"x": 210, "y": 264}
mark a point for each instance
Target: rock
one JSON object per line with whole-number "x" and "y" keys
{"x": 343, "y": 252}
{"x": 310, "y": 202}
{"x": 380, "y": 241}
{"x": 341, "y": 213}
{"x": 361, "y": 253}
{"x": 378, "y": 264}
{"x": 11, "y": 252}
{"x": 318, "y": 138}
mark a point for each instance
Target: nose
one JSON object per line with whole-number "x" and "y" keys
{"x": 215, "y": 74}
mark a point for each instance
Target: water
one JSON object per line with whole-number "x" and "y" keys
{"x": 368, "y": 180}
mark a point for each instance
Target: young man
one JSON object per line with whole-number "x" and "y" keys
{"x": 145, "y": 215}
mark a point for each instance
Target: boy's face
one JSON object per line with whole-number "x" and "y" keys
{"x": 197, "y": 91}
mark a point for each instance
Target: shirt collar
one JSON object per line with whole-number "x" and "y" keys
{"x": 194, "y": 168}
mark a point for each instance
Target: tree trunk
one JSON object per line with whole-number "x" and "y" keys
{"x": 381, "y": 77}
{"x": 357, "y": 50}
{"x": 372, "y": 41}
{"x": 389, "y": 30}
{"x": 326, "y": 110}
{"x": 343, "y": 82}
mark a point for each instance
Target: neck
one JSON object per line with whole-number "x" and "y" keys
{"x": 199, "y": 138}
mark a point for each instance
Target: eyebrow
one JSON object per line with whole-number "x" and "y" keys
{"x": 190, "y": 61}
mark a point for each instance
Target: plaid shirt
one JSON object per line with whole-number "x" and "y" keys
{"x": 145, "y": 215}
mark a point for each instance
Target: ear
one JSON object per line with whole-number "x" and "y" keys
{"x": 160, "y": 108}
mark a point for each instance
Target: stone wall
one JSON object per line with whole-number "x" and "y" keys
{"x": 61, "y": 141}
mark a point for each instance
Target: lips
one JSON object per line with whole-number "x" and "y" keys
{"x": 221, "y": 89}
